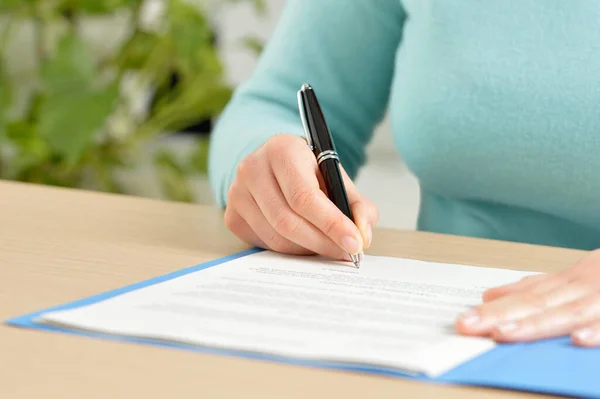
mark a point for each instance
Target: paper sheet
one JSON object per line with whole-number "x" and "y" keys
{"x": 395, "y": 313}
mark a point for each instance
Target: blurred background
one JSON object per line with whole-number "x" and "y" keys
{"x": 120, "y": 95}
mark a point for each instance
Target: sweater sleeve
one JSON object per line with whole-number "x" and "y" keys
{"x": 345, "y": 50}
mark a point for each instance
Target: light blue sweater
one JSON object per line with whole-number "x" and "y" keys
{"x": 494, "y": 105}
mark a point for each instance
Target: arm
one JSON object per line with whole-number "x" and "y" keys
{"x": 345, "y": 50}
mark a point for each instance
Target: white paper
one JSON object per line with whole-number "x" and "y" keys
{"x": 393, "y": 313}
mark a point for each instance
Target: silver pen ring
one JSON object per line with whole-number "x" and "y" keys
{"x": 325, "y": 153}
{"x": 330, "y": 155}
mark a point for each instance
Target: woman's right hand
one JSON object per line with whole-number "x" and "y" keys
{"x": 277, "y": 202}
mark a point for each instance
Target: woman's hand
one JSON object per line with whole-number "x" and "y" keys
{"x": 276, "y": 202}
{"x": 542, "y": 306}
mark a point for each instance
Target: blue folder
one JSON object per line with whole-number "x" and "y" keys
{"x": 553, "y": 367}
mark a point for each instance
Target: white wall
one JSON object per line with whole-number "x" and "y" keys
{"x": 385, "y": 179}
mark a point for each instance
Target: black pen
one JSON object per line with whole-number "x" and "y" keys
{"x": 321, "y": 143}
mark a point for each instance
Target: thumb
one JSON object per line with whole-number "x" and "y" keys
{"x": 365, "y": 212}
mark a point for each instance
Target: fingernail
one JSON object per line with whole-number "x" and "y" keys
{"x": 584, "y": 335}
{"x": 369, "y": 235}
{"x": 507, "y": 328}
{"x": 469, "y": 318}
{"x": 350, "y": 245}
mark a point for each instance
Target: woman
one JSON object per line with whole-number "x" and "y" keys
{"x": 495, "y": 108}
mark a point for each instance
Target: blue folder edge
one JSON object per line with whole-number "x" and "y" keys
{"x": 553, "y": 367}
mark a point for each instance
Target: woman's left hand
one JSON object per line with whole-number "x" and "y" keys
{"x": 542, "y": 306}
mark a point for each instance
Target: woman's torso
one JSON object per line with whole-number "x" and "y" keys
{"x": 496, "y": 109}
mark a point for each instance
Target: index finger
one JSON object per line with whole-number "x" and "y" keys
{"x": 297, "y": 176}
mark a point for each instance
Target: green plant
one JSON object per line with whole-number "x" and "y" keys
{"x": 78, "y": 124}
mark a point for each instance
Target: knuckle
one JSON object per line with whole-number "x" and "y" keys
{"x": 582, "y": 286}
{"x": 561, "y": 279}
{"x": 247, "y": 166}
{"x": 486, "y": 313}
{"x": 302, "y": 199}
{"x": 595, "y": 297}
{"x": 278, "y": 144}
{"x": 588, "y": 306}
{"x": 232, "y": 193}
{"x": 537, "y": 301}
{"x": 593, "y": 304}
{"x": 580, "y": 309}
{"x": 367, "y": 209}
{"x": 232, "y": 220}
{"x": 277, "y": 243}
{"x": 286, "y": 223}
{"x": 331, "y": 224}
{"x": 375, "y": 210}
{"x": 532, "y": 280}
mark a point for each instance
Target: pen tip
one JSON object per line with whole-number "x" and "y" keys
{"x": 306, "y": 86}
{"x": 356, "y": 260}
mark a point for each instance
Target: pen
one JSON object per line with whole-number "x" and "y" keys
{"x": 321, "y": 143}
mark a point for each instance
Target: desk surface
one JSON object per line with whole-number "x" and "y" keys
{"x": 58, "y": 245}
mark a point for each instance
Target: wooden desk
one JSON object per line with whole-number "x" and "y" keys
{"x": 59, "y": 245}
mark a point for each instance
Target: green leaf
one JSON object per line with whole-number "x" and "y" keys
{"x": 191, "y": 34}
{"x": 25, "y": 136}
{"x": 260, "y": 6}
{"x": 5, "y": 104}
{"x": 9, "y": 5}
{"x": 54, "y": 139}
{"x": 173, "y": 177}
{"x": 98, "y": 6}
{"x": 71, "y": 68}
{"x": 136, "y": 51}
{"x": 198, "y": 161}
{"x": 69, "y": 121}
{"x": 32, "y": 150}
{"x": 202, "y": 99}
{"x": 4, "y": 101}
{"x": 255, "y": 44}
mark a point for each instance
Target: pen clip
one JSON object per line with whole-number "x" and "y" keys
{"x": 302, "y": 110}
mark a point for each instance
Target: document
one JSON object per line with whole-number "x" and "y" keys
{"x": 392, "y": 313}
